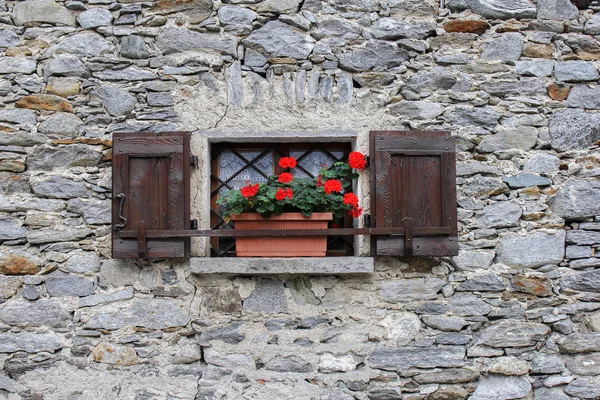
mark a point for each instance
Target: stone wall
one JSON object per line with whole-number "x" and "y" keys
{"x": 515, "y": 315}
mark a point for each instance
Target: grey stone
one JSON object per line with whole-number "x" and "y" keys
{"x": 134, "y": 46}
{"x": 473, "y": 259}
{"x": 575, "y": 71}
{"x": 508, "y": 47}
{"x": 288, "y": 364}
{"x": 513, "y": 334}
{"x": 29, "y": 342}
{"x": 76, "y": 155}
{"x": 420, "y": 110}
{"x": 66, "y": 66}
{"x": 253, "y": 58}
{"x": 233, "y": 79}
{"x": 396, "y": 359}
{"x": 584, "y": 388}
{"x": 242, "y": 361}
{"x": 62, "y": 124}
{"x": 580, "y": 264}
{"x": 583, "y": 237}
{"x": 27, "y": 203}
{"x": 573, "y": 129}
{"x": 336, "y": 27}
{"x": 59, "y": 187}
{"x": 592, "y": 25}
{"x": 116, "y": 101}
{"x": 546, "y": 364}
{"x": 523, "y": 87}
{"x": 301, "y": 291}
{"x": 176, "y": 40}
{"x": 9, "y": 286}
{"x": 523, "y": 138}
{"x": 59, "y": 234}
{"x": 43, "y": 312}
{"x": 11, "y": 229}
{"x": 532, "y": 250}
{"x": 95, "y": 212}
{"x": 392, "y": 29}
{"x": 435, "y": 79}
{"x": 538, "y": 68}
{"x": 8, "y": 38}
{"x": 83, "y": 263}
{"x": 467, "y": 304}
{"x": 542, "y": 163}
{"x": 373, "y": 54}
{"x": 268, "y": 297}
{"x": 408, "y": 290}
{"x": 278, "y": 39}
{"x": 474, "y": 167}
{"x": 147, "y": 313}
{"x": 229, "y": 334}
{"x": 499, "y": 387}
{"x": 557, "y": 9}
{"x": 503, "y": 214}
{"x": 544, "y": 393}
{"x": 583, "y": 96}
{"x": 69, "y": 285}
{"x": 577, "y": 199}
{"x": 526, "y": 179}
{"x": 500, "y": 9}
{"x": 485, "y": 116}
{"x": 237, "y": 20}
{"x": 127, "y": 74}
{"x": 160, "y": 99}
{"x": 582, "y": 282}
{"x": 445, "y": 323}
{"x": 30, "y": 292}
{"x": 95, "y": 17}
{"x": 85, "y": 44}
{"x": 18, "y": 116}
{"x": 104, "y": 298}
{"x": 456, "y": 375}
{"x": 17, "y": 65}
{"x": 119, "y": 273}
{"x": 280, "y": 6}
{"x": 583, "y": 364}
{"x": 259, "y": 266}
{"x": 47, "y": 11}
{"x": 7, "y": 384}
{"x": 484, "y": 186}
{"x": 482, "y": 283}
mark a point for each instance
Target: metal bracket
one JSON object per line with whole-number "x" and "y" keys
{"x": 122, "y": 224}
{"x": 194, "y": 161}
{"x": 194, "y": 224}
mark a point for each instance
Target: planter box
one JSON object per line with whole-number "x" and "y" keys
{"x": 275, "y": 246}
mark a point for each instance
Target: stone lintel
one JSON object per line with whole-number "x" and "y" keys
{"x": 282, "y": 136}
{"x": 273, "y": 266}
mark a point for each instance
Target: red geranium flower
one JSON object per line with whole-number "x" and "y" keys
{"x": 332, "y": 185}
{"x": 350, "y": 198}
{"x": 287, "y": 162}
{"x": 289, "y": 193}
{"x": 285, "y": 177}
{"x": 319, "y": 181}
{"x": 357, "y": 160}
{"x": 280, "y": 195}
{"x": 355, "y": 211}
{"x": 249, "y": 191}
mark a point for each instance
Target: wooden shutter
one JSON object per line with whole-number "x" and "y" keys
{"x": 151, "y": 191}
{"x": 413, "y": 185}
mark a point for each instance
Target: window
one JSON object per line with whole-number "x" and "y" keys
{"x": 412, "y": 199}
{"x": 233, "y": 164}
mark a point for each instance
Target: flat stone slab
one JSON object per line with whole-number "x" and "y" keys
{"x": 294, "y": 265}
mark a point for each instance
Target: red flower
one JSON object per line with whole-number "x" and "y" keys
{"x": 285, "y": 177}
{"x": 289, "y": 193}
{"x": 332, "y": 185}
{"x": 351, "y": 198}
{"x": 319, "y": 181}
{"x": 249, "y": 191}
{"x": 280, "y": 195}
{"x": 355, "y": 211}
{"x": 357, "y": 160}
{"x": 287, "y": 162}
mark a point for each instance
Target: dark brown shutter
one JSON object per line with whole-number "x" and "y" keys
{"x": 413, "y": 185}
{"x": 151, "y": 189}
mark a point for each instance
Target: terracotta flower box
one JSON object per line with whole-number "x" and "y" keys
{"x": 276, "y": 246}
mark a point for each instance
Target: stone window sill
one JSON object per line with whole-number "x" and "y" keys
{"x": 276, "y": 266}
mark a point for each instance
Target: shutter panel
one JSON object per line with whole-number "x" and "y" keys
{"x": 151, "y": 189}
{"x": 413, "y": 186}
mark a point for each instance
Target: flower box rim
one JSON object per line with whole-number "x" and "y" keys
{"x": 322, "y": 216}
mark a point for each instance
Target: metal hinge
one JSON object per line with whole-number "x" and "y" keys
{"x": 194, "y": 161}
{"x": 367, "y": 220}
{"x": 194, "y": 224}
